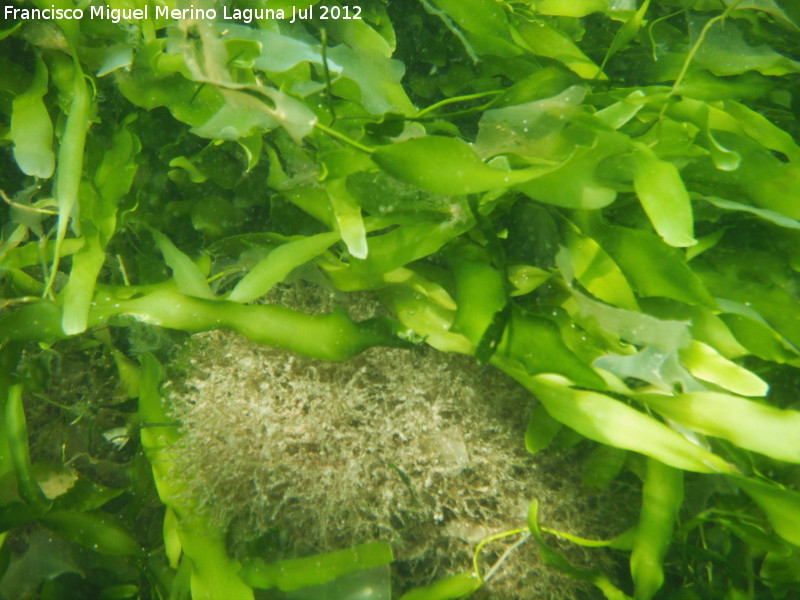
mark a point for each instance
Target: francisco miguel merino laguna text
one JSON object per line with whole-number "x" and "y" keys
{"x": 116, "y": 15}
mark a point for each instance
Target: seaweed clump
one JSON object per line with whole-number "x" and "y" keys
{"x": 417, "y": 447}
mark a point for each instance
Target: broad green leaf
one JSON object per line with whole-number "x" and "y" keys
{"x": 602, "y": 466}
{"x": 70, "y": 162}
{"x": 604, "y": 419}
{"x": 763, "y": 130}
{"x": 662, "y": 496}
{"x": 425, "y": 319}
{"x": 477, "y": 16}
{"x": 118, "y": 56}
{"x": 707, "y": 364}
{"x": 274, "y": 268}
{"x": 779, "y": 568}
{"x": 214, "y": 574}
{"x": 480, "y": 293}
{"x": 706, "y": 325}
{"x": 378, "y": 80}
{"x": 480, "y": 25}
{"x": 619, "y": 113}
{"x": 361, "y": 37}
{"x": 781, "y": 506}
{"x": 664, "y": 198}
{"x": 95, "y": 530}
{"x": 16, "y": 436}
{"x": 763, "y": 213}
{"x": 573, "y": 8}
{"x": 627, "y": 32}
{"x": 546, "y": 40}
{"x": 428, "y": 288}
{"x": 187, "y": 275}
{"x": 772, "y": 303}
{"x": 537, "y": 344}
{"x": 348, "y": 217}
{"x": 114, "y": 176}
{"x": 70, "y": 26}
{"x": 597, "y": 272}
{"x": 758, "y": 337}
{"x": 541, "y": 430}
{"x": 703, "y": 85}
{"x": 525, "y": 278}
{"x": 189, "y": 102}
{"x": 577, "y": 182}
{"x": 726, "y": 52}
{"x": 39, "y": 321}
{"x": 78, "y": 293}
{"x": 634, "y": 327}
{"x": 659, "y": 368}
{"x": 98, "y": 214}
{"x": 456, "y": 586}
{"x": 445, "y": 166}
{"x": 403, "y": 245}
{"x": 298, "y": 573}
{"x": 748, "y": 424}
{"x": 768, "y": 6}
{"x": 529, "y": 130}
{"x": 172, "y": 541}
{"x": 244, "y": 114}
{"x": 31, "y": 128}
{"x": 652, "y": 268}
{"x": 332, "y": 336}
{"x": 86, "y": 495}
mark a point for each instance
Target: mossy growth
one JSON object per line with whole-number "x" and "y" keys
{"x": 415, "y": 447}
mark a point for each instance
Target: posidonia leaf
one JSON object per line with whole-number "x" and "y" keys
{"x": 31, "y": 128}
{"x": 445, "y": 166}
{"x": 604, "y": 419}
{"x": 746, "y": 423}
{"x": 664, "y": 198}
{"x": 781, "y": 506}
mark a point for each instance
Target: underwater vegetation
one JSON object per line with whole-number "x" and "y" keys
{"x": 599, "y": 199}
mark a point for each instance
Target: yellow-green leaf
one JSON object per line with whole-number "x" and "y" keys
{"x": 664, "y": 198}
{"x": 445, "y": 166}
{"x": 748, "y": 424}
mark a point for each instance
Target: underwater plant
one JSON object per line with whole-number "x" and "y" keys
{"x": 598, "y": 199}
